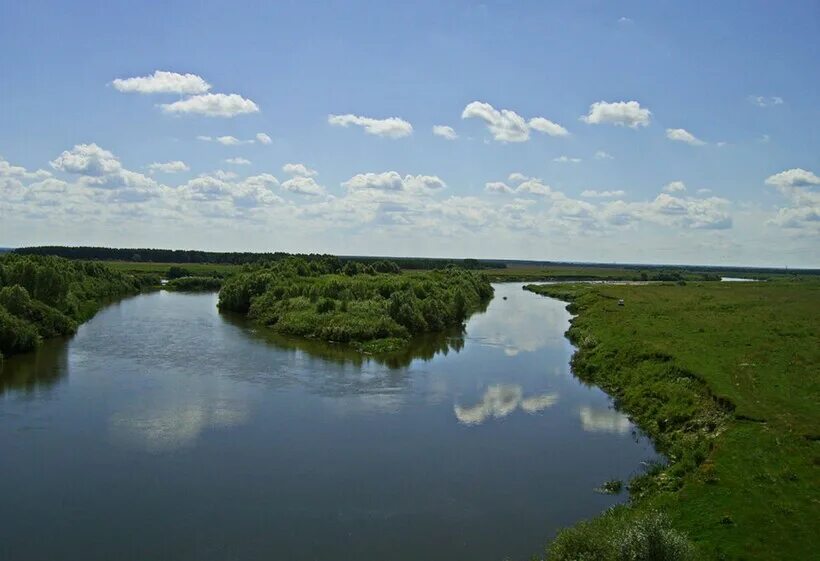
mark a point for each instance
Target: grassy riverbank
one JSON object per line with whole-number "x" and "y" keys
{"x": 372, "y": 311}
{"x": 725, "y": 377}
{"x": 44, "y": 297}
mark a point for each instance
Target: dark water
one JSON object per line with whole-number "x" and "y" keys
{"x": 163, "y": 430}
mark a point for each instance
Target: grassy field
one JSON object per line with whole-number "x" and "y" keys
{"x": 161, "y": 269}
{"x": 726, "y": 379}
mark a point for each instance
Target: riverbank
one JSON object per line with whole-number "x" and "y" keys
{"x": 43, "y": 297}
{"x": 724, "y": 378}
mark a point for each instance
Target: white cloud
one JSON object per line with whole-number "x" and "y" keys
{"x": 87, "y": 159}
{"x": 303, "y": 185}
{"x": 592, "y": 194}
{"x": 518, "y": 177}
{"x": 601, "y": 155}
{"x": 299, "y": 169}
{"x": 174, "y": 166}
{"x": 624, "y": 20}
{"x": 763, "y": 101}
{"x": 674, "y": 187}
{"x": 238, "y": 161}
{"x": 682, "y": 135}
{"x": 803, "y": 211}
{"x": 764, "y": 138}
{"x": 795, "y": 177}
{"x": 263, "y": 138}
{"x": 392, "y": 181}
{"x": 507, "y": 125}
{"x": 619, "y": 113}
{"x": 566, "y": 160}
{"x": 498, "y": 187}
{"x": 546, "y": 126}
{"x": 392, "y": 127}
{"x": 226, "y": 140}
{"x": 445, "y": 132}
{"x": 704, "y": 191}
{"x": 212, "y": 105}
{"x": 163, "y": 82}
{"x": 534, "y": 187}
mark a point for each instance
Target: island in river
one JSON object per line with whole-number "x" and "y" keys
{"x": 356, "y": 304}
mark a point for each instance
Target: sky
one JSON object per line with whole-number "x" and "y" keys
{"x": 641, "y": 132}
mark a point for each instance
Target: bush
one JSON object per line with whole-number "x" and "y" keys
{"x": 194, "y": 283}
{"x": 357, "y": 306}
{"x": 177, "y": 272}
{"x": 616, "y": 536}
{"x": 16, "y": 335}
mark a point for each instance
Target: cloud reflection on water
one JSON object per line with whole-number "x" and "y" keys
{"x": 170, "y": 427}
{"x": 500, "y": 400}
{"x": 519, "y": 324}
{"x": 604, "y": 420}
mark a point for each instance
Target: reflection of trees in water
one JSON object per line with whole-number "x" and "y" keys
{"x": 424, "y": 347}
{"x": 37, "y": 370}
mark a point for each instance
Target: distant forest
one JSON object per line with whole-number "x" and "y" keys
{"x": 238, "y": 258}
{"x": 151, "y": 255}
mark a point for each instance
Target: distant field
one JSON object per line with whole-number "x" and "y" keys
{"x": 726, "y": 379}
{"x": 161, "y": 269}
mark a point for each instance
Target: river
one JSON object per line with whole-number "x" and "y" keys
{"x": 166, "y": 430}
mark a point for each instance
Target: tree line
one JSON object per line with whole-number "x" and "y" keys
{"x": 182, "y": 256}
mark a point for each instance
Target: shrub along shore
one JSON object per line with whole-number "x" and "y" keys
{"x": 374, "y": 308}
{"x": 724, "y": 378}
{"x": 43, "y": 297}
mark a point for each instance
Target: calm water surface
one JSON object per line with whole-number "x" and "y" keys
{"x": 164, "y": 430}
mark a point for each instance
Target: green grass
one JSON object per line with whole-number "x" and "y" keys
{"x": 725, "y": 378}
{"x": 161, "y": 269}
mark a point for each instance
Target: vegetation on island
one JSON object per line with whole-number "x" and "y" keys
{"x": 43, "y": 297}
{"x": 724, "y": 378}
{"x": 375, "y": 308}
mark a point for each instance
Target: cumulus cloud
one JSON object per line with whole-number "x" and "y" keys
{"x": 392, "y": 127}
{"x": 566, "y": 160}
{"x": 174, "y": 166}
{"x": 392, "y": 181}
{"x": 764, "y": 101}
{"x": 238, "y": 161}
{"x": 227, "y": 197}
{"x": 517, "y": 177}
{"x": 803, "y": 211}
{"x": 683, "y": 135}
{"x": 226, "y": 140}
{"x": 546, "y": 126}
{"x": 212, "y": 105}
{"x": 795, "y": 177}
{"x": 263, "y": 138}
{"x": 674, "y": 187}
{"x": 87, "y": 159}
{"x": 162, "y": 82}
{"x": 526, "y": 186}
{"x": 619, "y": 113}
{"x": 592, "y": 194}
{"x": 445, "y": 132}
{"x": 299, "y": 169}
{"x": 498, "y": 187}
{"x": 303, "y": 185}
{"x": 507, "y": 125}
{"x": 601, "y": 155}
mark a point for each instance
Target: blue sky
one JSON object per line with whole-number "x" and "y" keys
{"x": 704, "y": 147}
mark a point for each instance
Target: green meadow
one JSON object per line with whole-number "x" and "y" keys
{"x": 725, "y": 377}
